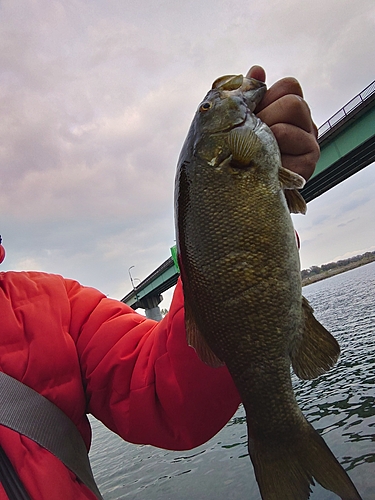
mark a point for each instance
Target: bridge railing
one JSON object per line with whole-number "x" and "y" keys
{"x": 342, "y": 113}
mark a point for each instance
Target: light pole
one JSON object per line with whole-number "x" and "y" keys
{"x": 131, "y": 278}
{"x": 132, "y": 282}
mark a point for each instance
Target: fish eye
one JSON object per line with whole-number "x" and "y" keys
{"x": 205, "y": 106}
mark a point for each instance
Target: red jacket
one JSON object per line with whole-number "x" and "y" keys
{"x": 90, "y": 354}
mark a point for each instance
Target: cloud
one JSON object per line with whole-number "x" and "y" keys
{"x": 347, "y": 223}
{"x": 97, "y": 97}
{"x": 339, "y": 221}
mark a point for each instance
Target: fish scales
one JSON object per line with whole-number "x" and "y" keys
{"x": 241, "y": 279}
{"x": 234, "y": 293}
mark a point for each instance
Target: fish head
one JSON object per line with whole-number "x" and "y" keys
{"x": 226, "y": 136}
{"x": 250, "y": 89}
{"x": 227, "y": 104}
{"x": 218, "y": 127}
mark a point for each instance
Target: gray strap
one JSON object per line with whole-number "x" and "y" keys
{"x": 29, "y": 413}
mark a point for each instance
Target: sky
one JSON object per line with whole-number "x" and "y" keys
{"x": 96, "y": 99}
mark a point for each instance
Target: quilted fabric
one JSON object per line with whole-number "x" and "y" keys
{"x": 90, "y": 354}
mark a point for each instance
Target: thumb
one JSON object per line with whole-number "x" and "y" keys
{"x": 257, "y": 72}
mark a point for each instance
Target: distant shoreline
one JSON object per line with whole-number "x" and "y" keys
{"x": 322, "y": 275}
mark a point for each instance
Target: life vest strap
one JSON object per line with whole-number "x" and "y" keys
{"x": 31, "y": 414}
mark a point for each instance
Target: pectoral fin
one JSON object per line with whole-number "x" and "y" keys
{"x": 243, "y": 143}
{"x": 196, "y": 340}
{"x": 315, "y": 350}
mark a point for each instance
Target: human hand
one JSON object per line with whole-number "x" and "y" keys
{"x": 288, "y": 116}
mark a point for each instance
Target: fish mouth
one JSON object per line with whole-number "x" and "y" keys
{"x": 251, "y": 90}
{"x": 247, "y": 92}
{"x": 230, "y": 83}
{"x": 233, "y": 126}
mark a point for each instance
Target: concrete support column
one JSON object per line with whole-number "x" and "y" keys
{"x": 151, "y": 306}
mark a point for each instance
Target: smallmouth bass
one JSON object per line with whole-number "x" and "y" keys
{"x": 241, "y": 278}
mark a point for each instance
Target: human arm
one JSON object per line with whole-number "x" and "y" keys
{"x": 141, "y": 378}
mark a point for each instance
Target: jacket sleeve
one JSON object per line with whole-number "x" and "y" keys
{"x": 141, "y": 378}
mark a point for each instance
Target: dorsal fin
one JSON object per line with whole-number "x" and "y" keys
{"x": 196, "y": 340}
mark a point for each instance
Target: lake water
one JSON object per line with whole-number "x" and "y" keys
{"x": 340, "y": 404}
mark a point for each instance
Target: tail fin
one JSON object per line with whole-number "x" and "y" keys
{"x": 286, "y": 470}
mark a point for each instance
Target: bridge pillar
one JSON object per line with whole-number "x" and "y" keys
{"x": 151, "y": 306}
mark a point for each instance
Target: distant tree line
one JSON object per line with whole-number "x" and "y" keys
{"x": 314, "y": 270}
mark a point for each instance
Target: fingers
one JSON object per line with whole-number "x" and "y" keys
{"x": 288, "y": 108}
{"x": 257, "y": 72}
{"x": 284, "y": 110}
{"x": 303, "y": 165}
{"x": 290, "y": 120}
{"x": 299, "y": 149}
{"x": 283, "y": 87}
{"x": 283, "y": 102}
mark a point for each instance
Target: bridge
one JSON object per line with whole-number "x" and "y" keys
{"x": 347, "y": 145}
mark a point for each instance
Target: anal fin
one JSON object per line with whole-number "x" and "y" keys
{"x": 314, "y": 351}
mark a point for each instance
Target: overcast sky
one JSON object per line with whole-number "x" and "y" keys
{"x": 97, "y": 97}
